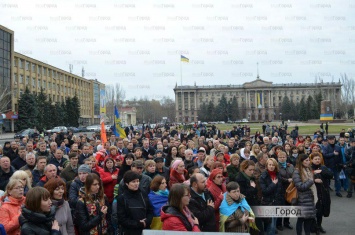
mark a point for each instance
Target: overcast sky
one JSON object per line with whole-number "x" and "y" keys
{"x": 138, "y": 43}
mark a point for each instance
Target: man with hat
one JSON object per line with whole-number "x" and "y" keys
{"x": 332, "y": 160}
{"x": 77, "y": 183}
{"x": 201, "y": 155}
{"x": 144, "y": 180}
{"x": 161, "y": 169}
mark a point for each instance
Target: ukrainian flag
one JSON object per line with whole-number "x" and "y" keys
{"x": 184, "y": 59}
{"x": 117, "y": 128}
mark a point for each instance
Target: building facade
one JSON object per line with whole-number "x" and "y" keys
{"x": 258, "y": 100}
{"x": 22, "y": 71}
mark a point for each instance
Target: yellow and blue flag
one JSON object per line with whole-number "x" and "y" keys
{"x": 184, "y": 59}
{"x": 117, "y": 128}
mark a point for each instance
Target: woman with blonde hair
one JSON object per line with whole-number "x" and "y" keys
{"x": 11, "y": 203}
{"x": 23, "y": 176}
{"x": 208, "y": 166}
{"x": 255, "y": 150}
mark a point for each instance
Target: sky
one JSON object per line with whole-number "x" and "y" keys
{"x": 138, "y": 43}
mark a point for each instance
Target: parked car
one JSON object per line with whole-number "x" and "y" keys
{"x": 73, "y": 129}
{"x": 25, "y": 132}
{"x": 245, "y": 120}
{"x": 82, "y": 129}
{"x": 57, "y": 129}
{"x": 93, "y": 128}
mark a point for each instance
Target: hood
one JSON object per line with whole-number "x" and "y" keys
{"x": 36, "y": 217}
{"x": 167, "y": 212}
{"x": 13, "y": 201}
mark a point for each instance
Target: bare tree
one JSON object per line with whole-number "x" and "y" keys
{"x": 348, "y": 95}
{"x": 115, "y": 95}
{"x": 5, "y": 99}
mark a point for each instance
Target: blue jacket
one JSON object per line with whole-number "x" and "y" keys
{"x": 330, "y": 159}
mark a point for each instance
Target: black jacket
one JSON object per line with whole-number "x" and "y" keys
{"x": 34, "y": 223}
{"x": 323, "y": 204}
{"x": 18, "y": 163}
{"x": 205, "y": 214}
{"x": 5, "y": 177}
{"x": 145, "y": 153}
{"x": 272, "y": 193}
{"x": 74, "y": 192}
{"x": 250, "y": 193}
{"x": 304, "y": 194}
{"x": 12, "y": 154}
{"x": 133, "y": 206}
{"x": 330, "y": 159}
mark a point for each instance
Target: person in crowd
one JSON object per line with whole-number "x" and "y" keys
{"x": 217, "y": 187}
{"x": 134, "y": 210}
{"x": 38, "y": 171}
{"x": 350, "y": 158}
{"x": 176, "y": 216}
{"x": 158, "y": 196}
{"x": 71, "y": 171}
{"x": 260, "y": 166}
{"x": 57, "y": 189}
{"x": 286, "y": 171}
{"x": 247, "y": 185}
{"x": 10, "y": 206}
{"x": 50, "y": 171}
{"x": 109, "y": 176}
{"x": 77, "y": 184}
{"x": 322, "y": 175}
{"x": 38, "y": 214}
{"x": 25, "y": 179}
{"x": 91, "y": 209}
{"x": 255, "y": 150}
{"x": 161, "y": 168}
{"x": 30, "y": 162}
{"x": 233, "y": 168}
{"x": 208, "y": 166}
{"x": 306, "y": 193}
{"x": 42, "y": 150}
{"x": 236, "y": 214}
{"x": 85, "y": 153}
{"x": 58, "y": 160}
{"x": 6, "y": 171}
{"x": 332, "y": 159}
{"x": 12, "y": 153}
{"x": 126, "y": 166}
{"x": 177, "y": 172}
{"x": 20, "y": 161}
{"x": 150, "y": 168}
{"x": 188, "y": 159}
{"x": 271, "y": 189}
{"x": 172, "y": 155}
{"x": 202, "y": 203}
{"x": 148, "y": 151}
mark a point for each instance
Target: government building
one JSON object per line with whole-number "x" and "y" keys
{"x": 258, "y": 100}
{"x": 19, "y": 71}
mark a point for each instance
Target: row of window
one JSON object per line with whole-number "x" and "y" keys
{"x": 40, "y": 70}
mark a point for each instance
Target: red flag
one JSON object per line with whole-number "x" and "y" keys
{"x": 103, "y": 132}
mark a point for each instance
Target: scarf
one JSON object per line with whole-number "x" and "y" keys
{"x": 228, "y": 210}
{"x": 272, "y": 174}
{"x": 188, "y": 215}
{"x": 57, "y": 203}
{"x": 163, "y": 193}
{"x": 309, "y": 176}
{"x": 283, "y": 164}
{"x": 246, "y": 176}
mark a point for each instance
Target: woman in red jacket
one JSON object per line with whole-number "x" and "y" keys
{"x": 10, "y": 208}
{"x": 176, "y": 216}
{"x": 109, "y": 178}
{"x": 177, "y": 172}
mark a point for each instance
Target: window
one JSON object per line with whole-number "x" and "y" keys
{"x": 27, "y": 80}
{"x": 21, "y": 64}
{"x": 39, "y": 83}
{"x": 33, "y": 67}
{"x": 33, "y": 82}
{"x": 27, "y": 65}
{"x": 21, "y": 78}
{"x": 15, "y": 62}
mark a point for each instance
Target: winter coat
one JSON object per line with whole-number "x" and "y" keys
{"x": 217, "y": 193}
{"x": 304, "y": 194}
{"x": 10, "y": 210}
{"x": 272, "y": 194}
{"x": 133, "y": 206}
{"x": 89, "y": 218}
{"x": 174, "y": 220}
{"x": 330, "y": 159}
{"x": 69, "y": 174}
{"x": 57, "y": 163}
{"x": 285, "y": 174}
{"x": 74, "y": 192}
{"x": 232, "y": 172}
{"x": 5, "y": 177}
{"x": 64, "y": 218}
{"x": 108, "y": 183}
{"x": 36, "y": 175}
{"x": 35, "y": 223}
{"x": 204, "y": 213}
{"x": 323, "y": 203}
{"x": 44, "y": 180}
{"x": 18, "y": 163}
{"x": 144, "y": 185}
{"x": 250, "y": 193}
{"x": 175, "y": 177}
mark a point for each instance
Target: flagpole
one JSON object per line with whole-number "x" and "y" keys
{"x": 181, "y": 89}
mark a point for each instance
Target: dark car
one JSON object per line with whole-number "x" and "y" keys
{"x": 82, "y": 129}
{"x": 26, "y": 132}
{"x": 73, "y": 129}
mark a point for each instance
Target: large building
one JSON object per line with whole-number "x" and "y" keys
{"x": 18, "y": 71}
{"x": 258, "y": 100}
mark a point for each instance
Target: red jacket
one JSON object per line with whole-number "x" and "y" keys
{"x": 109, "y": 183}
{"x": 175, "y": 177}
{"x": 10, "y": 211}
{"x": 217, "y": 193}
{"x": 174, "y": 220}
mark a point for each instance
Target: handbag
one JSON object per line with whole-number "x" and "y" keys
{"x": 291, "y": 194}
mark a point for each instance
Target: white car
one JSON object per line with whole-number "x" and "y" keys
{"x": 57, "y": 129}
{"x": 94, "y": 128}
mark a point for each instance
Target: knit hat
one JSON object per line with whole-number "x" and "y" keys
{"x": 214, "y": 173}
{"x": 84, "y": 168}
{"x": 176, "y": 164}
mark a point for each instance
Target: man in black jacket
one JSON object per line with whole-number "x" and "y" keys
{"x": 202, "y": 203}
{"x": 6, "y": 171}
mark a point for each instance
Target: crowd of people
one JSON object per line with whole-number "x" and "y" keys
{"x": 170, "y": 179}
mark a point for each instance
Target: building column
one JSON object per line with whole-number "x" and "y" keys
{"x": 195, "y": 108}
{"x": 177, "y": 106}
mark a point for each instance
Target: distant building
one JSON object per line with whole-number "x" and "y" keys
{"x": 128, "y": 116}
{"x": 258, "y": 100}
{"x": 20, "y": 71}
